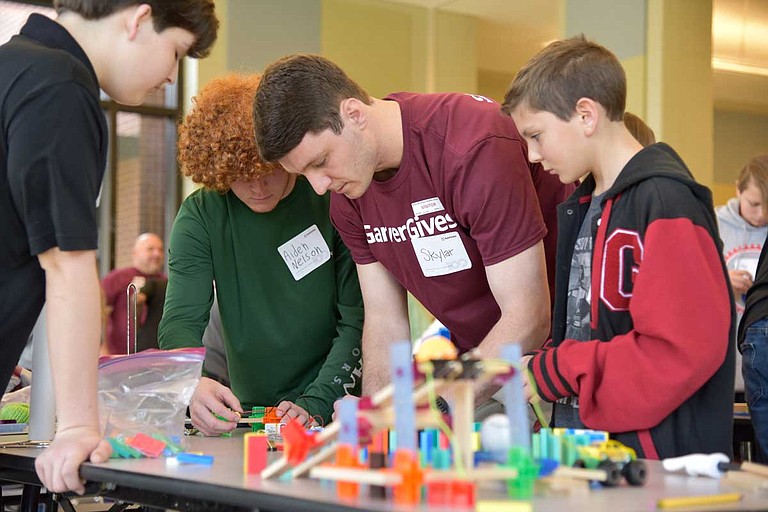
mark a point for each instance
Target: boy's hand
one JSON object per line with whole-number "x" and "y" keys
{"x": 58, "y": 466}
{"x": 527, "y": 388}
{"x": 212, "y": 398}
{"x": 741, "y": 281}
{"x": 287, "y": 411}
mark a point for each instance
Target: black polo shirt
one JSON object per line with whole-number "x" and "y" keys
{"x": 53, "y": 149}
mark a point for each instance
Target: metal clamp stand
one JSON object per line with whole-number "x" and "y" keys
{"x": 131, "y": 318}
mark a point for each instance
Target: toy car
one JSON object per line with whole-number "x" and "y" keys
{"x": 616, "y": 460}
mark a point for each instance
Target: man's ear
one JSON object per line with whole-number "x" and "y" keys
{"x": 589, "y": 114}
{"x": 354, "y": 111}
{"x": 136, "y": 16}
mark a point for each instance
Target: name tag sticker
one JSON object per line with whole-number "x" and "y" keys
{"x": 427, "y": 206}
{"x": 305, "y": 252}
{"x": 443, "y": 254}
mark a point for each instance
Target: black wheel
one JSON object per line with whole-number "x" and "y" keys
{"x": 579, "y": 463}
{"x": 635, "y": 473}
{"x": 613, "y": 474}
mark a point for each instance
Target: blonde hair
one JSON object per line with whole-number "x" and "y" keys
{"x": 755, "y": 171}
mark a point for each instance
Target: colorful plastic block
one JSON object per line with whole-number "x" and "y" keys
{"x": 254, "y": 453}
{"x": 148, "y": 446}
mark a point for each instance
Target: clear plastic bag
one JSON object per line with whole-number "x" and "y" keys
{"x": 148, "y": 392}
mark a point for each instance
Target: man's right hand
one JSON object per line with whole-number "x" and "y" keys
{"x": 741, "y": 281}
{"x": 212, "y": 398}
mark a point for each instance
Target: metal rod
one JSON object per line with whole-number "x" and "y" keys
{"x": 131, "y": 317}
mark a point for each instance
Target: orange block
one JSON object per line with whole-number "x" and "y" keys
{"x": 270, "y": 415}
{"x": 346, "y": 457}
{"x": 406, "y": 462}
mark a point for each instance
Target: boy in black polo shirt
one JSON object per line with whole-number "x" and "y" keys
{"x": 52, "y": 157}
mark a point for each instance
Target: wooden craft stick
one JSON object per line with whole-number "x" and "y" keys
{"x": 360, "y": 476}
{"x": 695, "y": 501}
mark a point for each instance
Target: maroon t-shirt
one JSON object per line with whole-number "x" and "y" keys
{"x": 463, "y": 199}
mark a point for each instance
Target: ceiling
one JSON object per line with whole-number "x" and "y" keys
{"x": 739, "y": 27}
{"x": 739, "y": 39}
{"x": 740, "y": 35}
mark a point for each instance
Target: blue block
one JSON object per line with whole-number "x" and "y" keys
{"x": 195, "y": 458}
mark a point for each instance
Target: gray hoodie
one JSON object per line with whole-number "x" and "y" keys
{"x": 742, "y": 243}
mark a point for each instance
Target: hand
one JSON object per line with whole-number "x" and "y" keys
{"x": 741, "y": 281}
{"x": 58, "y": 466}
{"x": 337, "y": 403}
{"x": 527, "y": 388}
{"x": 287, "y": 411}
{"x": 212, "y": 398}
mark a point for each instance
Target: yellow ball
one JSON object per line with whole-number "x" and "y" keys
{"x": 436, "y": 347}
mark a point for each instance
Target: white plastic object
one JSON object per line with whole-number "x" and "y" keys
{"x": 697, "y": 464}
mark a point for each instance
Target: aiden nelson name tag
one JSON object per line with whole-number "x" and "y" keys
{"x": 305, "y": 252}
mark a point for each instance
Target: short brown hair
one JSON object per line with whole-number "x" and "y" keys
{"x": 195, "y": 16}
{"x": 756, "y": 171}
{"x": 639, "y": 130}
{"x": 565, "y": 71}
{"x": 300, "y": 94}
{"x": 216, "y": 144}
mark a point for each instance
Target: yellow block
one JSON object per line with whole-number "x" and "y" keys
{"x": 503, "y": 506}
{"x": 693, "y": 501}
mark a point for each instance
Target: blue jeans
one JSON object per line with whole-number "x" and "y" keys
{"x": 754, "y": 366}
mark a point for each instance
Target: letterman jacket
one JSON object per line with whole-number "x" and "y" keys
{"x": 658, "y": 372}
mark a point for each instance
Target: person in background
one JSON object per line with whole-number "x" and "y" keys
{"x": 53, "y": 151}
{"x": 145, "y": 272}
{"x": 215, "y": 364}
{"x": 639, "y": 130}
{"x": 288, "y": 295}
{"x": 743, "y": 223}
{"x": 643, "y": 323}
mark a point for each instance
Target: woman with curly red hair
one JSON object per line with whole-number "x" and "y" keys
{"x": 287, "y": 289}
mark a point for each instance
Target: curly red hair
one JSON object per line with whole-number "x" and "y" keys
{"x": 216, "y": 144}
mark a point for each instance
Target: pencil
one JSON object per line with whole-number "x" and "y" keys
{"x": 690, "y": 501}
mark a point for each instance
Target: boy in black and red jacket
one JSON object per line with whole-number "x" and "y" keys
{"x": 643, "y": 323}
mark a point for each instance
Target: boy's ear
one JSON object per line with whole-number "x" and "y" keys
{"x": 136, "y": 16}
{"x": 588, "y": 115}
{"x": 353, "y": 110}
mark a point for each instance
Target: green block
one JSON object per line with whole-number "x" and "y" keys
{"x": 521, "y": 488}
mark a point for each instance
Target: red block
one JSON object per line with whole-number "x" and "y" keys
{"x": 148, "y": 446}
{"x": 463, "y": 493}
{"x": 439, "y": 493}
{"x": 254, "y": 453}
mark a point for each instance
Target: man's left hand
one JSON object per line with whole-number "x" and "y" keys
{"x": 287, "y": 411}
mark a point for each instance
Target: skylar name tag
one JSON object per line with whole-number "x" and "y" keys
{"x": 305, "y": 252}
{"x": 443, "y": 254}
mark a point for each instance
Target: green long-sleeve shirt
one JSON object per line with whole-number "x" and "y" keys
{"x": 286, "y": 337}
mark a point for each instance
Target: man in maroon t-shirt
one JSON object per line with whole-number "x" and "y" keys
{"x": 147, "y": 259}
{"x": 434, "y": 195}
